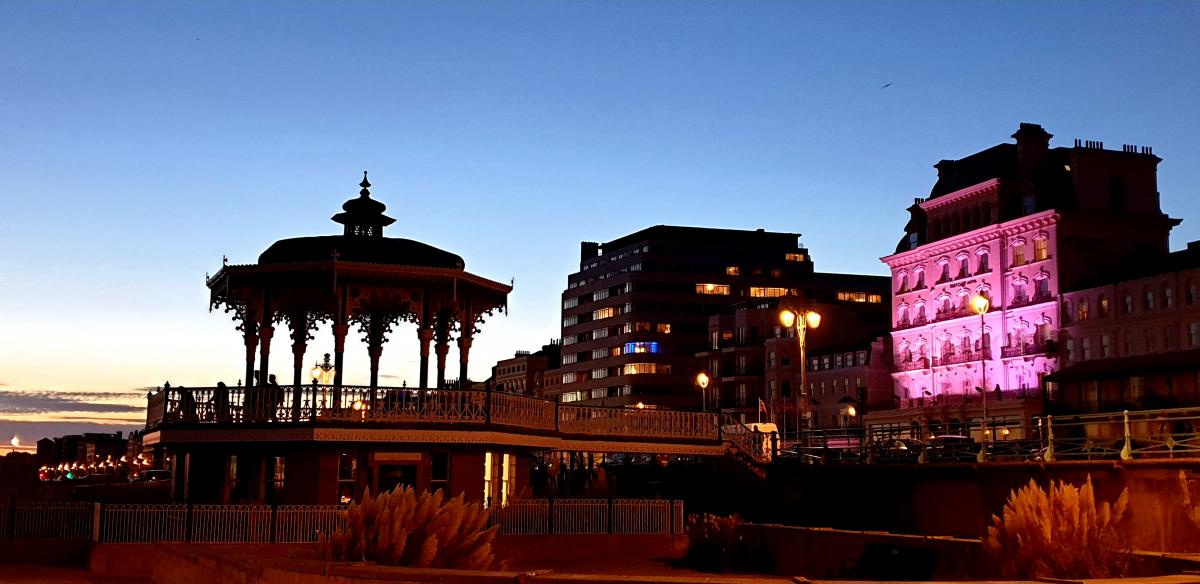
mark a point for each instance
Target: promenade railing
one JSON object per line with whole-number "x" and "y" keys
{"x": 126, "y": 523}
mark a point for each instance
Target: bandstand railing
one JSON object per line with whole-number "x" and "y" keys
{"x": 266, "y": 405}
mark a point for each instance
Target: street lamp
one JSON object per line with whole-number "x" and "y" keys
{"x": 980, "y": 305}
{"x": 702, "y": 382}
{"x": 803, "y": 320}
{"x": 323, "y": 371}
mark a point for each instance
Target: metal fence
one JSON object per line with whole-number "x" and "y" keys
{"x": 123, "y": 523}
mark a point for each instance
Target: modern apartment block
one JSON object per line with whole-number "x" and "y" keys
{"x": 1019, "y": 224}
{"x": 636, "y": 313}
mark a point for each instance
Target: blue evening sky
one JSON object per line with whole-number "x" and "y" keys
{"x": 141, "y": 141}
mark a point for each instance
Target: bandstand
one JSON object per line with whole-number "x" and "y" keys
{"x": 311, "y": 443}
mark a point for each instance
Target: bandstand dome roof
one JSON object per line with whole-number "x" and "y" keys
{"x": 380, "y": 250}
{"x": 362, "y": 241}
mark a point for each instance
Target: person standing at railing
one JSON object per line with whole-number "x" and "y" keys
{"x": 274, "y": 397}
{"x": 220, "y": 402}
{"x": 187, "y": 404}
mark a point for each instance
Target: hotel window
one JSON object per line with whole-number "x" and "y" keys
{"x": 347, "y": 478}
{"x": 636, "y": 267}
{"x": 771, "y": 361}
{"x": 603, "y": 313}
{"x": 761, "y": 292}
{"x": 571, "y": 302}
{"x": 1041, "y": 249}
{"x": 569, "y": 377}
{"x": 1019, "y": 292}
{"x": 1106, "y": 346}
{"x": 1128, "y": 303}
{"x": 964, "y": 267}
{"x": 1128, "y": 344}
{"x": 983, "y": 263}
{"x": 1103, "y": 306}
{"x": 600, "y": 373}
{"x": 945, "y": 272}
{"x": 645, "y": 368}
{"x": 1135, "y": 388}
{"x": 231, "y": 476}
{"x": 1018, "y": 254}
{"x": 599, "y": 294}
{"x": 1168, "y": 297}
{"x": 920, "y": 278}
{"x": 733, "y": 271}
{"x": 837, "y": 361}
{"x": 664, "y": 328}
{"x": 1070, "y": 349}
{"x": 572, "y": 396}
{"x": 570, "y": 358}
{"x": 599, "y": 353}
{"x": 1083, "y": 309}
{"x": 717, "y": 289}
{"x": 600, "y": 333}
{"x": 825, "y": 362}
{"x": 1194, "y": 334}
{"x": 794, "y": 257}
{"x": 1149, "y": 304}
{"x": 570, "y": 321}
{"x": 278, "y": 477}
{"x": 862, "y": 359}
{"x": 641, "y": 347}
{"x": 1193, "y": 293}
{"x": 1041, "y": 288}
{"x": 439, "y": 472}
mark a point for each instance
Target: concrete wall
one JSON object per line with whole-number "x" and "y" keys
{"x": 959, "y": 499}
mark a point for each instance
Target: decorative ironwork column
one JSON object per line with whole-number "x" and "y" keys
{"x": 465, "y": 336}
{"x": 425, "y": 337}
{"x": 442, "y": 346}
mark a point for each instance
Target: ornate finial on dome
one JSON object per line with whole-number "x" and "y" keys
{"x": 363, "y": 216}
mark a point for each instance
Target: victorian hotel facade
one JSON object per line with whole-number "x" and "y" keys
{"x": 979, "y": 277}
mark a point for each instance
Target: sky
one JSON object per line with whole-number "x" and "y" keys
{"x": 141, "y": 142}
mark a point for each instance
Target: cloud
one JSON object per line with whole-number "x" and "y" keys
{"x": 16, "y": 402}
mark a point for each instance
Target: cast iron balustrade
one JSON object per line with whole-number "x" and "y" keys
{"x": 959, "y": 399}
{"x": 268, "y": 406}
{"x": 953, "y": 313}
{"x": 916, "y": 363}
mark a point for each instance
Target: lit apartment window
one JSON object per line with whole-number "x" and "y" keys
{"x": 1018, "y": 255}
{"x": 600, "y": 333}
{"x": 718, "y": 289}
{"x": 1041, "y": 249}
{"x": 570, "y": 321}
{"x": 603, "y": 313}
{"x": 614, "y": 352}
{"x": 1103, "y": 305}
{"x": 645, "y": 368}
{"x": 600, "y": 295}
{"x": 664, "y": 328}
{"x": 570, "y": 377}
{"x": 599, "y": 393}
{"x": 569, "y": 340}
{"x": 767, "y": 292}
{"x": 599, "y": 353}
{"x": 572, "y": 396}
{"x": 600, "y": 373}
{"x": 794, "y": 257}
{"x": 733, "y": 271}
{"x": 641, "y": 347}
{"x": 1083, "y": 309}
{"x": 570, "y": 358}
{"x": 571, "y": 302}
{"x": 1106, "y": 346}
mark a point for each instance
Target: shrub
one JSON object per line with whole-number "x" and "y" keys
{"x": 401, "y": 528}
{"x": 1060, "y": 533}
{"x": 718, "y": 543}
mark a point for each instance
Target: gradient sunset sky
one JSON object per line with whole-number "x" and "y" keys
{"x": 140, "y": 142}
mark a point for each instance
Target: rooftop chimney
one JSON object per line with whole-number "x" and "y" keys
{"x": 588, "y": 250}
{"x": 1032, "y": 144}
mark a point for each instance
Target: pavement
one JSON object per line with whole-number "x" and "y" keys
{"x": 54, "y": 575}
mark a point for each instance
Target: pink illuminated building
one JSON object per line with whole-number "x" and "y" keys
{"x": 1019, "y": 224}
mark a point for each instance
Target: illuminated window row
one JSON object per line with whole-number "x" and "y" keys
{"x": 646, "y": 368}
{"x": 859, "y": 297}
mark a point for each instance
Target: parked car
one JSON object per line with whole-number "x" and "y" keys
{"x": 952, "y": 448}
{"x": 898, "y": 450}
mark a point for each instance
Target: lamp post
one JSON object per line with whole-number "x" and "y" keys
{"x": 323, "y": 373}
{"x": 980, "y": 304}
{"x": 802, "y": 319}
{"x": 702, "y": 382}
